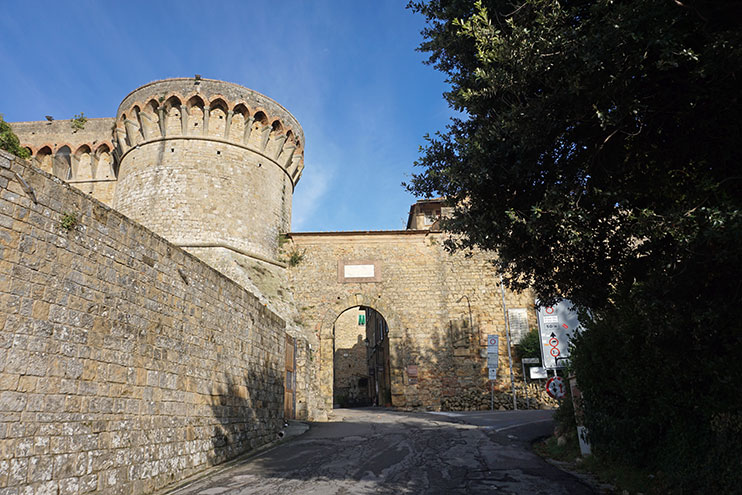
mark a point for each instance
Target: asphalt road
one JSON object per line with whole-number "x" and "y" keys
{"x": 377, "y": 451}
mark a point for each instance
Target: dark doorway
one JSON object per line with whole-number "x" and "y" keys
{"x": 361, "y": 359}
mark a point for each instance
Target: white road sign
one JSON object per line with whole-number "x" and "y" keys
{"x": 493, "y": 342}
{"x": 492, "y": 373}
{"x": 538, "y": 373}
{"x": 557, "y": 325}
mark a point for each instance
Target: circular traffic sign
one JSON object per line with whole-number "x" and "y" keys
{"x": 549, "y": 310}
{"x": 556, "y": 387}
{"x": 553, "y": 342}
{"x": 554, "y": 352}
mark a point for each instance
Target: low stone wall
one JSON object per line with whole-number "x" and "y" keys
{"x": 125, "y": 362}
{"x": 480, "y": 400}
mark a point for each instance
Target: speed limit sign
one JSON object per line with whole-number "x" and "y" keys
{"x": 556, "y": 387}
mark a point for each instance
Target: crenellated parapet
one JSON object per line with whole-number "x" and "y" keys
{"x": 84, "y": 157}
{"x": 211, "y": 110}
{"x": 73, "y": 155}
{"x": 208, "y": 165}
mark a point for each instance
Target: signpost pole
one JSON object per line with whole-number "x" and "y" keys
{"x": 493, "y": 344}
{"x": 507, "y": 334}
{"x": 525, "y": 384}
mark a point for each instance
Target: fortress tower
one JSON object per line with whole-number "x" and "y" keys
{"x": 208, "y": 164}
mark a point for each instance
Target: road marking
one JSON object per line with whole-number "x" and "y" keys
{"x": 522, "y": 424}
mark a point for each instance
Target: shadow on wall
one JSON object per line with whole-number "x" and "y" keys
{"x": 453, "y": 374}
{"x": 351, "y": 382}
{"x": 249, "y": 412}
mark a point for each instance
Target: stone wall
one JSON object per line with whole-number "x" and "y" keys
{"x": 439, "y": 308}
{"x": 125, "y": 362}
{"x": 82, "y": 157}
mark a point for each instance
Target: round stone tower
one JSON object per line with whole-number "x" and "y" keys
{"x": 207, "y": 163}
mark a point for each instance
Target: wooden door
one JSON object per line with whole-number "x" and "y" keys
{"x": 289, "y": 384}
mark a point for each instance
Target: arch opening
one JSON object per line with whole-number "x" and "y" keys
{"x": 62, "y": 166}
{"x": 217, "y": 118}
{"x": 82, "y": 164}
{"x": 103, "y": 161}
{"x": 172, "y": 116}
{"x": 361, "y": 364}
{"x": 239, "y": 119}
{"x": 44, "y": 159}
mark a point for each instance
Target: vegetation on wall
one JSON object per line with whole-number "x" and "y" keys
{"x": 10, "y": 142}
{"x": 69, "y": 221}
{"x": 596, "y": 149}
{"x": 78, "y": 122}
{"x": 295, "y": 256}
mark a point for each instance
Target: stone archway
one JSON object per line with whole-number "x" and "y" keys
{"x": 361, "y": 365}
{"x": 327, "y": 339}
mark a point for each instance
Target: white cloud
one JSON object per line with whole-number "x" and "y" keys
{"x": 314, "y": 183}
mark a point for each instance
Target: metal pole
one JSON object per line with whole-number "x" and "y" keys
{"x": 492, "y": 395}
{"x": 507, "y": 334}
{"x": 525, "y": 384}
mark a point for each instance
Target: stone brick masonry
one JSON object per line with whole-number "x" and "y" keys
{"x": 440, "y": 307}
{"x": 125, "y": 362}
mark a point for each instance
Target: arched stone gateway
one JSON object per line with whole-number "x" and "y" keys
{"x": 439, "y": 308}
{"x": 379, "y": 354}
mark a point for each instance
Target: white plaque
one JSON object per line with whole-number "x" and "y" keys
{"x": 518, "y": 320}
{"x": 358, "y": 271}
{"x": 492, "y": 373}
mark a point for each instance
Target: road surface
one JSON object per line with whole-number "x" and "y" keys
{"x": 378, "y": 451}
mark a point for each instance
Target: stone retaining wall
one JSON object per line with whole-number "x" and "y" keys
{"x": 125, "y": 362}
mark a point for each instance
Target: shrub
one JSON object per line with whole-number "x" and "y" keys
{"x": 10, "y": 142}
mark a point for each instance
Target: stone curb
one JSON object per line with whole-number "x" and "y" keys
{"x": 294, "y": 429}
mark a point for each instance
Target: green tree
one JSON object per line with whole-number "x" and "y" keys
{"x": 597, "y": 151}
{"x": 9, "y": 141}
{"x": 596, "y": 137}
{"x": 530, "y": 346}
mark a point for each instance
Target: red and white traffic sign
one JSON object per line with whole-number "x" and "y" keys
{"x": 556, "y": 387}
{"x": 557, "y": 325}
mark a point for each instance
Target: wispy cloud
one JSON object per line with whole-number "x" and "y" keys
{"x": 312, "y": 187}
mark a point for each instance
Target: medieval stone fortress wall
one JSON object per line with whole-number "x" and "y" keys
{"x": 150, "y": 286}
{"x": 126, "y": 363}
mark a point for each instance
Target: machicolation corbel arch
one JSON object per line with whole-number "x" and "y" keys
{"x": 215, "y": 111}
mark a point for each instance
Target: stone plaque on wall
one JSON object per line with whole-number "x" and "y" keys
{"x": 518, "y": 320}
{"x": 354, "y": 271}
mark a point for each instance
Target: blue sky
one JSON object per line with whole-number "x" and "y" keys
{"x": 347, "y": 70}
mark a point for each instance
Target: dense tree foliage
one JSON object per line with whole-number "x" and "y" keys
{"x": 9, "y": 141}
{"x": 597, "y": 150}
{"x": 594, "y": 137}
